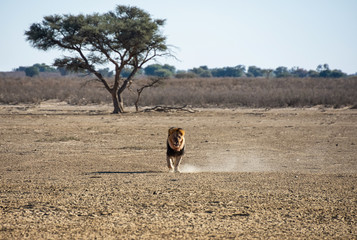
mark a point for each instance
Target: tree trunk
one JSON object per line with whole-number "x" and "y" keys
{"x": 120, "y": 102}
{"x": 115, "y": 103}
{"x": 122, "y": 88}
{"x": 138, "y": 99}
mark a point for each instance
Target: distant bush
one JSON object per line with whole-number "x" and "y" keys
{"x": 32, "y": 71}
{"x": 35, "y": 69}
{"x": 322, "y": 71}
{"x": 157, "y": 70}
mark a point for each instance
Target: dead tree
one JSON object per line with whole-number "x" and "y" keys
{"x": 153, "y": 83}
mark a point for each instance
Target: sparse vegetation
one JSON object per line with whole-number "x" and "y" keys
{"x": 197, "y": 92}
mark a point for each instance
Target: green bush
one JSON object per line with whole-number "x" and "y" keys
{"x": 32, "y": 71}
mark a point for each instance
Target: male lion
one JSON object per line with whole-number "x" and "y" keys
{"x": 175, "y": 148}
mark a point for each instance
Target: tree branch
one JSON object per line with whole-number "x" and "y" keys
{"x": 92, "y": 70}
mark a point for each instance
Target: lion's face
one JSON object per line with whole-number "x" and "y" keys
{"x": 176, "y": 138}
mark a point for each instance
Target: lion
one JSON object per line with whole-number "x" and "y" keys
{"x": 175, "y": 148}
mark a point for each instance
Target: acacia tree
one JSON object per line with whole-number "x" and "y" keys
{"x": 127, "y": 38}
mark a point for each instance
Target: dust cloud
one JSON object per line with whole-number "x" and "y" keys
{"x": 227, "y": 163}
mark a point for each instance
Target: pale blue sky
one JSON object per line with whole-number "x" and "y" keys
{"x": 264, "y": 33}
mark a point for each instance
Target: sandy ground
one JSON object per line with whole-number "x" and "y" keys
{"x": 71, "y": 172}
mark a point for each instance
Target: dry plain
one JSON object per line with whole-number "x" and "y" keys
{"x": 78, "y": 172}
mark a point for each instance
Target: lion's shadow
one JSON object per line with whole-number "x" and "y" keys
{"x": 124, "y": 172}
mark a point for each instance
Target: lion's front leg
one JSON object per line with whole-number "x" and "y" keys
{"x": 169, "y": 162}
{"x": 177, "y": 163}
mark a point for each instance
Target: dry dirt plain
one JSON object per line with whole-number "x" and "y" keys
{"x": 71, "y": 172}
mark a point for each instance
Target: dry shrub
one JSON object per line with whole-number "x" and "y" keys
{"x": 254, "y": 92}
{"x": 198, "y": 92}
{"x": 33, "y": 90}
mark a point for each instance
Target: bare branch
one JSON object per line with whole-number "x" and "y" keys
{"x": 152, "y": 83}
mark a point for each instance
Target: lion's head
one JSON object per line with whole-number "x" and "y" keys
{"x": 176, "y": 138}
